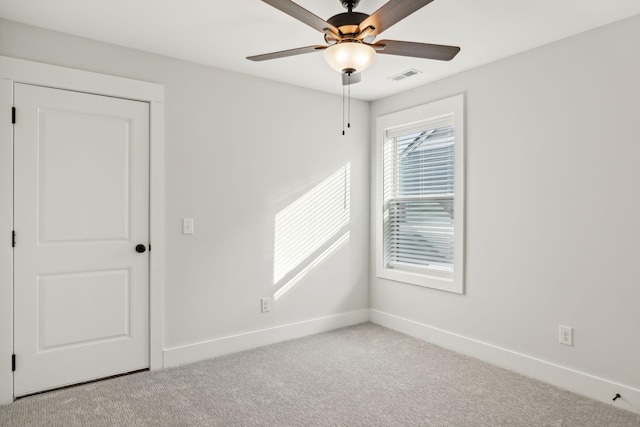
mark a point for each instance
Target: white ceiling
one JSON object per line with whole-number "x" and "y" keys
{"x": 222, "y": 33}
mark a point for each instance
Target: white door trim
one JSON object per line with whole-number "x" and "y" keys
{"x": 19, "y": 71}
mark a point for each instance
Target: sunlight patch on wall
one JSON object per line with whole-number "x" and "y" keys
{"x": 307, "y": 224}
{"x": 315, "y": 263}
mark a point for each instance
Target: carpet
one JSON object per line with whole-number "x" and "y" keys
{"x": 364, "y": 375}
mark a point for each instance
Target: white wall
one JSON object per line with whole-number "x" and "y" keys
{"x": 553, "y": 208}
{"x": 238, "y": 150}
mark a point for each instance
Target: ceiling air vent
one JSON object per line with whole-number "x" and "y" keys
{"x": 404, "y": 75}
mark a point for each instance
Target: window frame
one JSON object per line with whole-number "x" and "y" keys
{"x": 409, "y": 117}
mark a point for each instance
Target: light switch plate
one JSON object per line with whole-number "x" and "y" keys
{"x": 266, "y": 305}
{"x": 187, "y": 225}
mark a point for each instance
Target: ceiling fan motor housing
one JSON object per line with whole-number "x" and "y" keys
{"x": 348, "y": 23}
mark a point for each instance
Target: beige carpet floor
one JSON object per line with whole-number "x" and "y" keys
{"x": 363, "y": 375}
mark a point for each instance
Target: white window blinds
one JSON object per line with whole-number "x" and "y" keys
{"x": 418, "y": 192}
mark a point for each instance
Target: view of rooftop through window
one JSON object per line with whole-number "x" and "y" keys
{"x": 419, "y": 198}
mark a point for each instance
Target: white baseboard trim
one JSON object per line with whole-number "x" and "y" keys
{"x": 560, "y": 376}
{"x": 234, "y": 343}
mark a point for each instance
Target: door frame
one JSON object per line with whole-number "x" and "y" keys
{"x": 14, "y": 70}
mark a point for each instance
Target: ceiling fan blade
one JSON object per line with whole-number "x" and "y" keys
{"x": 416, "y": 50}
{"x": 285, "y": 53}
{"x": 351, "y": 79}
{"x": 301, "y": 14}
{"x": 391, "y": 13}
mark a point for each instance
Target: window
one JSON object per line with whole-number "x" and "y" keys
{"x": 420, "y": 195}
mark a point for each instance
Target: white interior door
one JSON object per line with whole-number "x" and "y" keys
{"x": 81, "y": 207}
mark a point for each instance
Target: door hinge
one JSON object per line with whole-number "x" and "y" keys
{"x": 13, "y": 363}
{"x": 13, "y": 115}
{"x": 13, "y": 238}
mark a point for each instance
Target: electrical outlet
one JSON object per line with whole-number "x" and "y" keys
{"x": 266, "y": 305}
{"x": 566, "y": 335}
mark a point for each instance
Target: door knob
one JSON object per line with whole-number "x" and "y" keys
{"x": 141, "y": 248}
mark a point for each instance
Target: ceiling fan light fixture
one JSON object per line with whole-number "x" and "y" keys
{"x": 349, "y": 55}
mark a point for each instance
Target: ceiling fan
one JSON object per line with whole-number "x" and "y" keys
{"x": 350, "y": 36}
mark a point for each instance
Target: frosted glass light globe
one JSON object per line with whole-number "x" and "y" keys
{"x": 349, "y": 56}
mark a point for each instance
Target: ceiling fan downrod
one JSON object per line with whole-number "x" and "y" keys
{"x": 350, "y": 4}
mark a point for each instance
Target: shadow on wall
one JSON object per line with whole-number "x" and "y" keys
{"x": 310, "y": 230}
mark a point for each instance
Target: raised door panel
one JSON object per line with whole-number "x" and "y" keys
{"x": 84, "y": 183}
{"x": 64, "y": 323}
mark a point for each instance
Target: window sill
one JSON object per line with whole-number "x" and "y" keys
{"x": 433, "y": 280}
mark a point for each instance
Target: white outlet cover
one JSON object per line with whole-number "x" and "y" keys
{"x": 565, "y": 335}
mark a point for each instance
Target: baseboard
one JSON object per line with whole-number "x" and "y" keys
{"x": 560, "y": 376}
{"x": 234, "y": 343}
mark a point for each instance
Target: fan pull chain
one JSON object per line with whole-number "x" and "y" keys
{"x": 342, "y": 110}
{"x": 349, "y": 109}
{"x": 348, "y": 112}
